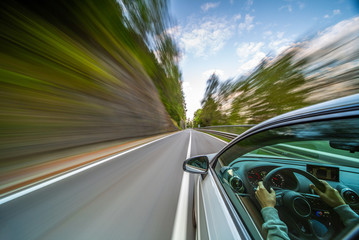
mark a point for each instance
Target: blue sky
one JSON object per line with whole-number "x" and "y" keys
{"x": 230, "y": 37}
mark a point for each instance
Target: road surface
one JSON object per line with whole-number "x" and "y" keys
{"x": 133, "y": 196}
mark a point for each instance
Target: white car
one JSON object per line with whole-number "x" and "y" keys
{"x": 287, "y": 153}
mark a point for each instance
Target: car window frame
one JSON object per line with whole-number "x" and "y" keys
{"x": 258, "y": 128}
{"x": 243, "y": 229}
{"x": 308, "y": 118}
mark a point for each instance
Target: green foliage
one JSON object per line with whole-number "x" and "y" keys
{"x": 210, "y": 113}
{"x": 272, "y": 89}
{"x": 292, "y": 80}
{"x": 197, "y": 120}
{"x": 77, "y": 72}
{"x": 150, "y": 20}
{"x": 212, "y": 87}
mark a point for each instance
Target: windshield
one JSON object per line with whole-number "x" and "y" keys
{"x": 333, "y": 142}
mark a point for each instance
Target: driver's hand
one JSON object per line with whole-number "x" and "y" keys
{"x": 330, "y": 196}
{"x": 265, "y": 198}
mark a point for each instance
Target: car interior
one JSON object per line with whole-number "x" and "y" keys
{"x": 288, "y": 159}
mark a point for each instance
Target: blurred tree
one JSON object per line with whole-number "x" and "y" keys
{"x": 150, "y": 19}
{"x": 316, "y": 70}
{"x": 212, "y": 86}
{"x": 78, "y": 72}
{"x": 210, "y": 113}
{"x": 272, "y": 89}
{"x": 279, "y": 85}
{"x": 197, "y": 118}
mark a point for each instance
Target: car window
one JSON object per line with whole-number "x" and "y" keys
{"x": 308, "y": 146}
{"x": 330, "y": 142}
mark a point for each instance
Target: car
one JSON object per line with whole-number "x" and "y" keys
{"x": 287, "y": 153}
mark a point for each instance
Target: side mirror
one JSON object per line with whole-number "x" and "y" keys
{"x": 197, "y": 164}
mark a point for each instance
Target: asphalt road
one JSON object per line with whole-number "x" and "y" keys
{"x": 133, "y": 196}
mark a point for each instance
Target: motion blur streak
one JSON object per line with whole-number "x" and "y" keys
{"x": 69, "y": 174}
{"x": 80, "y": 72}
{"x": 314, "y": 70}
{"x": 131, "y": 197}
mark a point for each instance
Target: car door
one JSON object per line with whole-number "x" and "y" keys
{"x": 214, "y": 212}
{"x": 214, "y": 220}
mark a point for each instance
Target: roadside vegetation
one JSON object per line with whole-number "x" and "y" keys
{"x": 80, "y": 72}
{"x": 309, "y": 72}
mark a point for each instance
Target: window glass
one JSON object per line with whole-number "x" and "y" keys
{"x": 322, "y": 148}
{"x": 330, "y": 142}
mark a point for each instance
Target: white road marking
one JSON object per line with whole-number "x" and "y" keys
{"x": 180, "y": 225}
{"x": 69, "y": 174}
{"x": 189, "y": 144}
{"x": 214, "y": 137}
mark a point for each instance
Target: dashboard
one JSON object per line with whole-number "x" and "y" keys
{"x": 324, "y": 172}
{"x": 280, "y": 180}
{"x": 243, "y": 178}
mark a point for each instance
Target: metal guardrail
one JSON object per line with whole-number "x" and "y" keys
{"x": 228, "y": 131}
{"x": 230, "y": 136}
{"x": 230, "y": 126}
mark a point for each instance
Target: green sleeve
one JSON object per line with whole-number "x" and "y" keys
{"x": 347, "y": 215}
{"x": 275, "y": 227}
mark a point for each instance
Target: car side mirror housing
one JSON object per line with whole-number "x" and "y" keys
{"x": 198, "y": 164}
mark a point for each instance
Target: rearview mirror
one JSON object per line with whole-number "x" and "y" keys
{"x": 197, "y": 164}
{"x": 348, "y": 146}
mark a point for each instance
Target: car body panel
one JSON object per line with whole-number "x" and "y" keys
{"x": 215, "y": 212}
{"x": 200, "y": 212}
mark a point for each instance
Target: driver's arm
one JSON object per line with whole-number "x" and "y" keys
{"x": 276, "y": 229}
{"x": 332, "y": 197}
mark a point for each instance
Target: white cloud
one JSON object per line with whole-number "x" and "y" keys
{"x": 205, "y": 7}
{"x": 248, "y": 5}
{"x": 237, "y": 17}
{"x": 247, "y": 66}
{"x": 336, "y": 12}
{"x": 276, "y": 43}
{"x": 187, "y": 88}
{"x": 206, "y": 37}
{"x": 250, "y": 55}
{"x": 288, "y": 7}
{"x": 247, "y": 24}
{"x": 247, "y": 49}
{"x": 279, "y": 44}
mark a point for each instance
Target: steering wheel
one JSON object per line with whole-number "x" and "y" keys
{"x": 303, "y": 213}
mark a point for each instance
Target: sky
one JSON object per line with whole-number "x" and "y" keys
{"x": 231, "y": 37}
